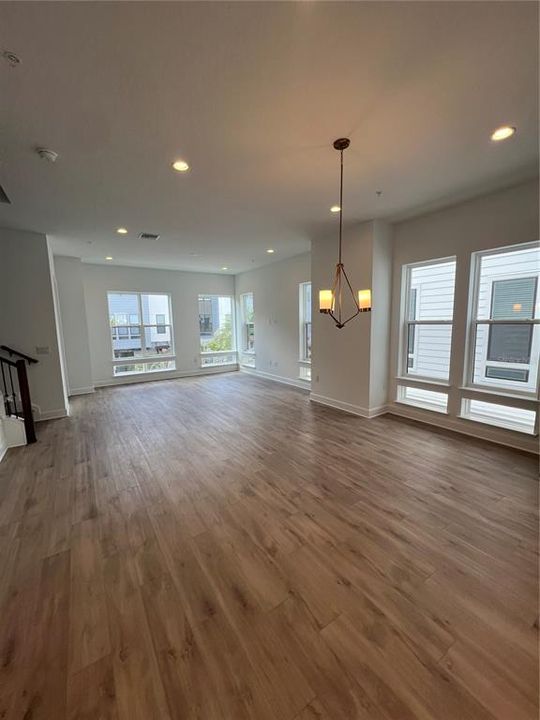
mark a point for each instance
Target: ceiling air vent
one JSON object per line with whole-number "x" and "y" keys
{"x": 148, "y": 236}
{"x": 3, "y": 197}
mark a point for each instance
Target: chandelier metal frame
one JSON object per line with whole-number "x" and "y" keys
{"x": 341, "y": 279}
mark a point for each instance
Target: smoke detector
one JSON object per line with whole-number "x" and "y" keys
{"x": 10, "y": 57}
{"x": 46, "y": 154}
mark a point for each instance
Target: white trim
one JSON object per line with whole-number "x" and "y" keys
{"x": 505, "y": 398}
{"x": 472, "y": 313}
{"x": 411, "y": 380}
{"x": 143, "y": 359}
{"x": 441, "y": 410}
{"x": 509, "y": 438}
{"x": 51, "y": 414}
{"x": 164, "y": 375}
{"x": 486, "y": 420}
{"x": 218, "y": 352}
{"x": 303, "y": 384}
{"x": 348, "y": 407}
{"x": 81, "y": 391}
{"x": 3, "y": 452}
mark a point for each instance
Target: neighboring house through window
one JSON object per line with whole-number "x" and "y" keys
{"x": 247, "y": 313}
{"x": 304, "y": 313}
{"x": 427, "y": 332}
{"x": 216, "y": 330}
{"x": 504, "y": 335}
{"x": 141, "y": 332}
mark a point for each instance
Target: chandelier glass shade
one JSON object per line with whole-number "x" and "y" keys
{"x": 331, "y": 302}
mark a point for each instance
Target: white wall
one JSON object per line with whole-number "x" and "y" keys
{"x": 503, "y": 218}
{"x": 184, "y": 288}
{"x": 381, "y": 288}
{"x": 340, "y": 363}
{"x": 275, "y": 289}
{"x": 70, "y": 282}
{"x": 350, "y": 365}
{"x": 27, "y": 318}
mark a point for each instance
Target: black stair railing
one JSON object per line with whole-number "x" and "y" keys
{"x": 16, "y": 391}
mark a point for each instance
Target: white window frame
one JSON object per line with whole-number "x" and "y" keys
{"x": 474, "y": 322}
{"x": 406, "y": 324}
{"x": 304, "y": 361}
{"x": 146, "y": 357}
{"x": 490, "y": 418}
{"x": 219, "y": 353}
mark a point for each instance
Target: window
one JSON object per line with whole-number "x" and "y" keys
{"x": 216, "y": 330}
{"x": 205, "y": 316}
{"x": 305, "y": 321}
{"x": 247, "y": 312}
{"x": 429, "y": 310}
{"x": 511, "y": 418}
{"x": 504, "y": 337}
{"x": 305, "y": 330}
{"x": 427, "y": 399}
{"x": 141, "y": 330}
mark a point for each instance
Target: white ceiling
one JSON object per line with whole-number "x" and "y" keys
{"x": 252, "y": 96}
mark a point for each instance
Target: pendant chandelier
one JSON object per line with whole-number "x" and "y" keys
{"x": 331, "y": 301}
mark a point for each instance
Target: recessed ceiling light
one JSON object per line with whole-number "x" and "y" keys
{"x": 335, "y": 208}
{"x": 503, "y": 133}
{"x": 224, "y": 267}
{"x": 121, "y": 231}
{"x": 270, "y": 251}
{"x": 11, "y": 58}
{"x": 180, "y": 166}
{"x": 109, "y": 257}
{"x": 47, "y": 154}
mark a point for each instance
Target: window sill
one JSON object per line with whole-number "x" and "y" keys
{"x": 218, "y": 365}
{"x": 499, "y": 393}
{"x": 416, "y": 380}
{"x": 498, "y": 424}
{"x": 216, "y": 352}
{"x": 142, "y": 360}
{"x": 146, "y": 372}
{"x": 418, "y": 406}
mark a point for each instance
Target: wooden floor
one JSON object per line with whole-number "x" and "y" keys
{"x": 221, "y": 549}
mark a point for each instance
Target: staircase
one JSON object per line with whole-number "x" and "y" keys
{"x": 16, "y": 419}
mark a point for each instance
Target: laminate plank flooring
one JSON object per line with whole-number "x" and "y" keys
{"x": 220, "y": 548}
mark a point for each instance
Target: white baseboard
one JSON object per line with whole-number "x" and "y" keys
{"x": 173, "y": 375}
{"x": 51, "y": 414}
{"x": 348, "y": 407}
{"x": 81, "y": 391}
{"x": 303, "y": 384}
{"x": 509, "y": 438}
